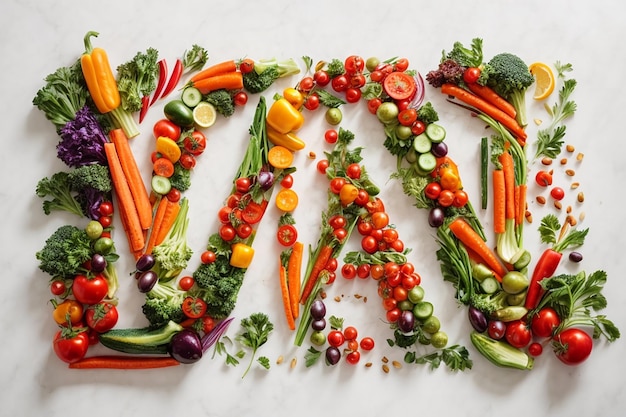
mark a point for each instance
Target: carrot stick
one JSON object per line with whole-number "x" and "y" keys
{"x": 136, "y": 253}
{"x": 228, "y": 81}
{"x": 284, "y": 290}
{"x": 124, "y": 362}
{"x": 521, "y": 208}
{"x": 125, "y": 198}
{"x": 485, "y": 107}
{"x": 219, "y": 68}
{"x": 509, "y": 183}
{"x": 468, "y": 236}
{"x": 320, "y": 263}
{"x": 293, "y": 275}
{"x": 499, "y": 201}
{"x": 171, "y": 211}
{"x": 133, "y": 177}
{"x": 492, "y": 97}
{"x": 159, "y": 212}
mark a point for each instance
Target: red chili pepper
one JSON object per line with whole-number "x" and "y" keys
{"x": 161, "y": 82}
{"x": 145, "y": 105}
{"x": 177, "y": 72}
{"x": 545, "y": 268}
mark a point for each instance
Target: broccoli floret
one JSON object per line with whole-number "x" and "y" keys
{"x": 181, "y": 178}
{"x": 427, "y": 113}
{"x": 94, "y": 176}
{"x": 137, "y": 78}
{"x": 222, "y": 100}
{"x": 219, "y": 284}
{"x": 510, "y": 77}
{"x": 489, "y": 303}
{"x": 163, "y": 304}
{"x": 335, "y": 67}
{"x": 62, "y": 198}
{"x": 65, "y": 251}
{"x": 173, "y": 253}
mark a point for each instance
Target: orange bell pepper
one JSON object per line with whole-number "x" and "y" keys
{"x": 283, "y": 117}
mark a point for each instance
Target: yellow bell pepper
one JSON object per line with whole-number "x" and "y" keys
{"x": 99, "y": 77}
{"x": 289, "y": 140}
{"x": 284, "y": 117}
{"x": 242, "y": 255}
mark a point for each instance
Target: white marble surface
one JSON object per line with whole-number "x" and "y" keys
{"x": 37, "y": 37}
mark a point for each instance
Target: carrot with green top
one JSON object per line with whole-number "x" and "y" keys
{"x": 284, "y": 291}
{"x": 321, "y": 261}
{"x": 169, "y": 217}
{"x": 506, "y": 159}
{"x": 216, "y": 69}
{"x": 492, "y": 97}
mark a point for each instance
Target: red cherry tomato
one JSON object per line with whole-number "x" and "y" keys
{"x": 471, "y": 75}
{"x": 518, "y": 334}
{"x": 70, "y": 346}
{"x": 407, "y": 117}
{"x": 106, "y": 208}
{"x": 353, "y": 357}
{"x": 557, "y": 193}
{"x": 241, "y": 98}
{"x": 322, "y": 165}
{"x": 353, "y": 94}
{"x": 195, "y": 143}
{"x": 242, "y": 185}
{"x": 166, "y": 128}
{"x": 353, "y": 171}
{"x": 335, "y": 338}
{"x": 287, "y": 181}
{"x": 348, "y": 271}
{"x": 57, "y": 287}
{"x": 321, "y": 77}
{"x": 306, "y": 84}
{"x": 330, "y": 136}
{"x": 367, "y": 343}
{"x": 101, "y": 317}
{"x": 186, "y": 283}
{"x": 194, "y": 307}
{"x": 207, "y": 257}
{"x": 312, "y": 102}
{"x": 373, "y": 104}
{"x": 544, "y": 322}
{"x": 287, "y": 234}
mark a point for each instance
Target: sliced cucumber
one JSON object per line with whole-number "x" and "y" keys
{"x": 160, "y": 184}
{"x": 490, "y": 285}
{"x": 427, "y": 162}
{"x": 191, "y": 97}
{"x": 422, "y": 143}
{"x": 435, "y": 132}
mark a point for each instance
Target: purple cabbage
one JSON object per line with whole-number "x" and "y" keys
{"x": 82, "y": 140}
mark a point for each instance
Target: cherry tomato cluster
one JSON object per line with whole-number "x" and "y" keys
{"x": 377, "y": 233}
{"x": 240, "y": 213}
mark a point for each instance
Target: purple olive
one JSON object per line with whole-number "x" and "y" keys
{"x": 146, "y": 281}
{"x": 318, "y": 324}
{"x": 144, "y": 262}
{"x": 98, "y": 263}
{"x": 477, "y": 319}
{"x": 186, "y": 346}
{"x": 575, "y": 256}
{"x": 439, "y": 149}
{"x": 318, "y": 310}
{"x": 436, "y": 217}
{"x": 333, "y": 355}
{"x": 406, "y": 321}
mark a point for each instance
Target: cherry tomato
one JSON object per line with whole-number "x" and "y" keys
{"x": 377, "y": 76}
{"x": 409, "y": 281}
{"x": 166, "y": 128}
{"x": 68, "y": 310}
{"x": 403, "y": 104}
{"x": 557, "y": 193}
{"x": 227, "y": 232}
{"x": 106, "y": 208}
{"x": 377, "y": 271}
{"x": 224, "y": 214}
{"x": 330, "y": 136}
{"x": 194, "y": 307}
{"x": 446, "y": 198}
{"x": 105, "y": 221}
{"x": 353, "y": 94}
{"x": 432, "y": 190}
{"x": 535, "y": 349}
{"x": 101, "y": 317}
{"x": 321, "y": 77}
{"x": 243, "y": 230}
{"x": 233, "y": 200}
{"x": 330, "y": 277}
{"x": 362, "y": 197}
{"x": 353, "y": 171}
{"x": 393, "y": 315}
{"x": 336, "y": 184}
{"x": 348, "y": 271}
{"x": 380, "y": 219}
{"x": 400, "y": 293}
{"x": 390, "y": 234}
{"x": 287, "y": 234}
{"x": 90, "y": 290}
{"x": 186, "y": 283}
{"x": 57, "y": 287}
{"x": 187, "y": 161}
{"x": 242, "y": 185}
{"x": 544, "y": 322}
{"x": 246, "y": 66}
{"x": 322, "y": 166}
{"x": 335, "y": 338}
{"x": 460, "y": 198}
{"x": 340, "y": 234}
{"x": 373, "y": 104}
{"x": 401, "y": 64}
{"x": 195, "y": 143}
{"x": 207, "y": 257}
{"x": 471, "y": 75}
{"x": 240, "y": 98}
{"x": 287, "y": 181}
{"x": 208, "y": 324}
{"x": 253, "y": 212}
{"x": 397, "y": 245}
{"x": 331, "y": 265}
{"x": 306, "y": 84}
{"x": 518, "y": 334}
{"x": 354, "y": 64}
{"x": 358, "y": 81}
{"x": 312, "y": 102}
{"x": 543, "y": 178}
{"x": 367, "y": 343}
{"x": 364, "y": 227}
{"x": 70, "y": 346}
{"x": 337, "y": 221}
{"x": 407, "y": 117}
{"x": 418, "y": 128}
{"x": 572, "y": 346}
{"x": 369, "y": 244}
{"x": 173, "y": 195}
{"x": 340, "y": 83}
{"x": 353, "y": 357}
{"x": 363, "y": 271}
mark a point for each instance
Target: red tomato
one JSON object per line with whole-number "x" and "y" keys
{"x": 399, "y": 86}
{"x": 354, "y": 171}
{"x": 397, "y": 245}
{"x": 208, "y": 324}
{"x": 335, "y": 338}
{"x": 244, "y": 230}
{"x": 194, "y": 307}
{"x": 377, "y": 271}
{"x": 195, "y": 143}
{"x": 246, "y": 66}
{"x": 224, "y": 214}
{"x": 207, "y": 257}
{"x": 187, "y": 160}
{"x": 460, "y": 198}
{"x": 557, "y": 193}
{"x": 253, "y": 212}
{"x": 543, "y": 178}
{"x": 363, "y": 271}
{"x": 446, "y": 198}
{"x": 306, "y": 84}
{"x": 70, "y": 345}
{"x": 377, "y": 76}
{"x": 362, "y": 197}
{"x": 380, "y": 219}
{"x": 101, "y": 317}
{"x": 353, "y": 357}
{"x": 518, "y": 334}
{"x": 106, "y": 208}
{"x": 312, "y": 101}
{"x": 287, "y": 181}
{"x": 401, "y": 64}
{"x": 287, "y": 234}
{"x": 337, "y": 221}
{"x": 354, "y": 64}
{"x": 389, "y": 235}
{"x": 90, "y": 290}
{"x": 105, "y": 221}
{"x": 186, "y": 283}
{"x": 393, "y": 315}
{"x": 330, "y": 136}
{"x": 166, "y": 128}
{"x": 340, "y": 83}
{"x": 418, "y": 128}
{"x": 375, "y": 205}
{"x": 57, "y": 287}
{"x": 331, "y": 265}
{"x": 348, "y": 271}
{"x": 544, "y": 322}
{"x": 322, "y": 165}
{"x": 373, "y": 104}
{"x": 535, "y": 349}
{"x": 240, "y": 99}
{"x": 353, "y": 95}
{"x": 367, "y": 343}
{"x": 369, "y": 244}
{"x": 173, "y": 195}
{"x": 242, "y": 185}
{"x": 358, "y": 81}
{"x": 321, "y": 77}
{"x": 364, "y": 227}
{"x": 407, "y": 117}
{"x": 227, "y": 232}
{"x": 572, "y": 346}
{"x": 471, "y": 75}
{"x": 340, "y": 234}
{"x": 336, "y": 184}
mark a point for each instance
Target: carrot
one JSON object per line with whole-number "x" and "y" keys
{"x": 320, "y": 263}
{"x": 159, "y": 212}
{"x": 521, "y": 207}
{"x": 124, "y": 362}
{"x": 485, "y": 107}
{"x": 136, "y": 253}
{"x": 279, "y": 157}
{"x": 468, "y": 236}
{"x": 228, "y": 81}
{"x": 169, "y": 217}
{"x": 499, "y": 201}
{"x": 133, "y": 177}
{"x": 284, "y": 290}
{"x": 213, "y": 70}
{"x": 476, "y": 258}
{"x": 163, "y": 167}
{"x": 492, "y": 97}
{"x": 506, "y": 160}
{"x": 293, "y": 275}
{"x": 125, "y": 198}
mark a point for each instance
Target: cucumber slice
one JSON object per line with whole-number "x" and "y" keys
{"x": 490, "y": 285}
{"x": 191, "y": 97}
{"x": 161, "y": 185}
{"x": 435, "y": 132}
{"x": 422, "y": 143}
{"x": 427, "y": 162}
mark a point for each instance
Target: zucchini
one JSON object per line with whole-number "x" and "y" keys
{"x": 435, "y": 132}
{"x": 422, "y": 143}
{"x": 140, "y": 340}
{"x": 501, "y": 353}
{"x": 427, "y": 162}
{"x": 510, "y": 313}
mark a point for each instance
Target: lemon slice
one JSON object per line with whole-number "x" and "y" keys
{"x": 544, "y": 80}
{"x": 204, "y": 114}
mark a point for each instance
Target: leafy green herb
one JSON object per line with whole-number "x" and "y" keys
{"x": 194, "y": 59}
{"x": 335, "y": 322}
{"x": 308, "y": 62}
{"x": 456, "y": 358}
{"x": 548, "y": 231}
{"x": 335, "y": 67}
{"x": 328, "y": 99}
{"x": 257, "y": 328}
{"x": 311, "y": 356}
{"x": 220, "y": 349}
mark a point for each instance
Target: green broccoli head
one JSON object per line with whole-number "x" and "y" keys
{"x": 94, "y": 175}
{"x": 61, "y": 197}
{"x": 256, "y": 82}
{"x": 65, "y": 251}
{"x": 159, "y": 311}
{"x": 489, "y": 303}
{"x": 219, "y": 285}
{"x": 222, "y": 100}
{"x": 181, "y": 179}
{"x": 427, "y": 113}
{"x": 510, "y": 77}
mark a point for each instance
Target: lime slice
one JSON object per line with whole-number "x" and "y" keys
{"x": 204, "y": 114}
{"x": 544, "y": 80}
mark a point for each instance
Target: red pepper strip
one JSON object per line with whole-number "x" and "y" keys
{"x": 145, "y": 104}
{"x": 177, "y": 72}
{"x": 161, "y": 83}
{"x": 545, "y": 268}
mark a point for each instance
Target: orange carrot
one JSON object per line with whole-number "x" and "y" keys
{"x": 159, "y": 212}
{"x": 284, "y": 290}
{"x": 293, "y": 275}
{"x": 124, "y": 362}
{"x": 213, "y": 70}
{"x": 509, "y": 183}
{"x": 320, "y": 263}
{"x": 163, "y": 167}
{"x": 499, "y": 201}
{"x": 136, "y": 253}
{"x": 228, "y": 81}
{"x": 468, "y": 236}
{"x": 476, "y": 258}
{"x": 171, "y": 211}
{"x": 521, "y": 208}
{"x": 125, "y": 198}
{"x": 133, "y": 177}
{"x": 492, "y": 97}
{"x": 485, "y": 107}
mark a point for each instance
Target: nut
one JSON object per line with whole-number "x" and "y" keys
{"x": 279, "y": 360}
{"x": 575, "y": 185}
{"x": 293, "y": 363}
{"x": 396, "y": 364}
{"x": 546, "y": 161}
{"x": 385, "y": 368}
{"x": 385, "y": 359}
{"x": 558, "y": 205}
{"x": 312, "y": 155}
{"x": 570, "y": 172}
{"x": 580, "y": 156}
{"x": 580, "y": 197}
{"x": 541, "y": 199}
{"x": 563, "y": 161}
{"x": 569, "y": 148}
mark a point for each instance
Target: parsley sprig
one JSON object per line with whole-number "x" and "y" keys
{"x": 257, "y": 328}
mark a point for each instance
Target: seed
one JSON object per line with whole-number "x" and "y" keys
{"x": 541, "y": 199}
{"x": 558, "y": 205}
{"x": 312, "y": 155}
{"x": 529, "y": 218}
{"x": 385, "y": 368}
{"x": 323, "y": 295}
{"x": 568, "y": 209}
{"x": 368, "y": 364}
{"x": 581, "y": 216}
{"x": 279, "y": 360}
{"x": 580, "y": 156}
{"x": 575, "y": 185}
{"x": 580, "y": 197}
{"x": 358, "y": 296}
{"x": 570, "y": 172}
{"x": 546, "y": 161}
{"x": 337, "y": 298}
{"x": 385, "y": 359}
{"x": 571, "y": 220}
{"x": 396, "y": 364}
{"x": 538, "y": 121}
{"x": 365, "y": 299}
{"x": 563, "y": 161}
{"x": 570, "y": 148}
{"x": 293, "y": 363}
